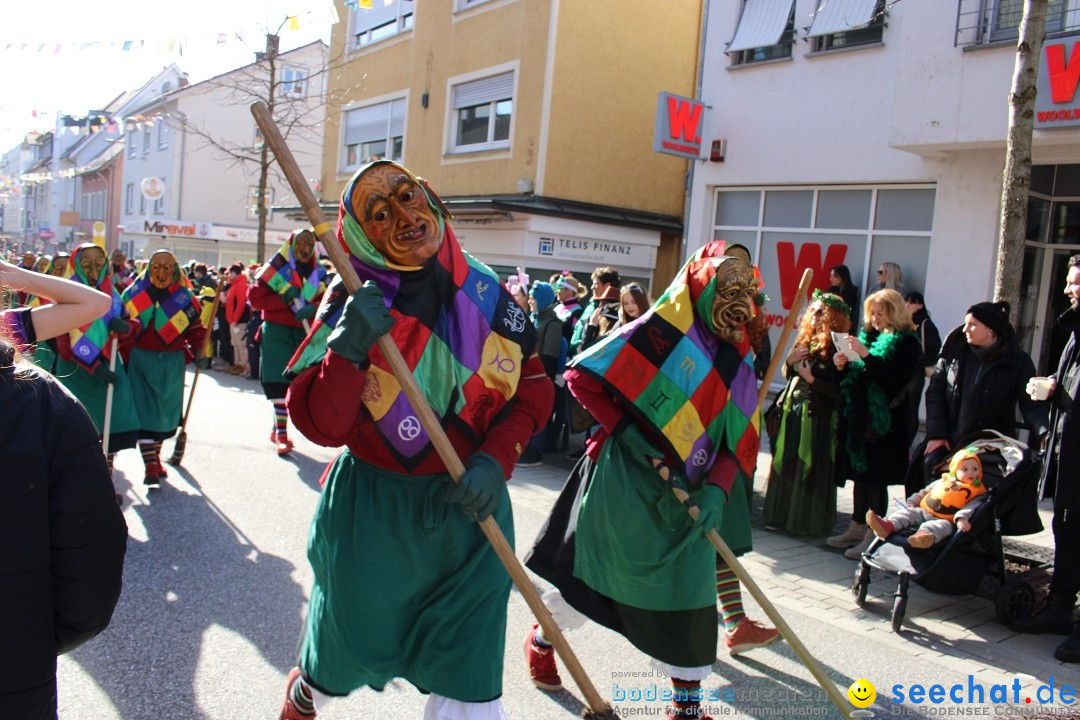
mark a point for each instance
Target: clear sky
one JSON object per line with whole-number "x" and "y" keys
{"x": 68, "y": 56}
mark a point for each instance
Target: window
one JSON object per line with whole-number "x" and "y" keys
{"x": 766, "y": 32}
{"x": 159, "y": 203}
{"x": 383, "y": 20}
{"x": 253, "y": 202}
{"x": 142, "y": 204}
{"x": 294, "y": 82}
{"x": 129, "y": 198}
{"x": 132, "y": 142}
{"x": 162, "y": 135}
{"x": 840, "y": 24}
{"x": 466, "y": 4}
{"x": 373, "y": 132}
{"x": 257, "y": 143}
{"x": 482, "y": 110}
{"x": 146, "y": 139}
{"x": 990, "y": 21}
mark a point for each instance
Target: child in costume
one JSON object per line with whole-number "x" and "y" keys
{"x": 406, "y": 585}
{"x": 287, "y": 290}
{"x": 942, "y": 506}
{"x": 677, "y": 385}
{"x": 171, "y": 336}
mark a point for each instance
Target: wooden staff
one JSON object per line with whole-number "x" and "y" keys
{"x": 181, "y": 437}
{"x": 108, "y": 401}
{"x": 324, "y": 231}
{"x": 789, "y": 324}
{"x": 839, "y": 700}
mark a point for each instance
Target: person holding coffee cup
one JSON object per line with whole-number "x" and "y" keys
{"x": 1061, "y": 480}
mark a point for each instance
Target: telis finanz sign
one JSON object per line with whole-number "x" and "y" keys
{"x": 1056, "y": 104}
{"x": 679, "y": 121}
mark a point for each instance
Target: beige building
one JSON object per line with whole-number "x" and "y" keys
{"x": 534, "y": 119}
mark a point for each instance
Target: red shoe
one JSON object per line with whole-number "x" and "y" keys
{"x": 541, "y": 662}
{"x": 154, "y": 473}
{"x": 289, "y": 711}
{"x": 284, "y": 445}
{"x": 749, "y": 634}
{"x": 882, "y": 528}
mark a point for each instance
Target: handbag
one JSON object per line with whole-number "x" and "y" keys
{"x": 775, "y": 412}
{"x": 578, "y": 418}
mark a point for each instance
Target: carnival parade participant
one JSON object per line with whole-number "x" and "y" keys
{"x": 63, "y": 536}
{"x": 171, "y": 334}
{"x": 84, "y": 354}
{"x": 676, "y": 385}
{"x": 416, "y": 592}
{"x": 287, "y": 290}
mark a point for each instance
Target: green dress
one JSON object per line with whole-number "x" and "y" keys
{"x": 405, "y": 586}
{"x": 801, "y": 497}
{"x": 158, "y": 388}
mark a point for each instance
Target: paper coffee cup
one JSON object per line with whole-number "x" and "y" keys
{"x": 1040, "y": 387}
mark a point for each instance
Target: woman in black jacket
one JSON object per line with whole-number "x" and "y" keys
{"x": 840, "y": 284}
{"x": 979, "y": 380}
{"x": 930, "y": 342}
{"x": 63, "y": 535}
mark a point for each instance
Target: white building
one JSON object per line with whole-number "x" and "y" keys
{"x": 183, "y": 187}
{"x": 856, "y": 136}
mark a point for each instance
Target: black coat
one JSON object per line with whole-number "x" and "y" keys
{"x": 63, "y": 537}
{"x": 967, "y": 394}
{"x": 1061, "y": 478}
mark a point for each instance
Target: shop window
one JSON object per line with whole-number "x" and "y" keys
{"x": 788, "y": 208}
{"x": 738, "y": 207}
{"x": 911, "y": 210}
{"x": 847, "y": 23}
{"x": 766, "y": 31}
{"x": 373, "y": 132}
{"x": 843, "y": 209}
{"x": 381, "y": 21}
{"x": 482, "y": 110}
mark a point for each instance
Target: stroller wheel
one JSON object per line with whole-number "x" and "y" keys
{"x": 860, "y": 584}
{"x": 898, "y": 609}
{"x": 1014, "y": 600}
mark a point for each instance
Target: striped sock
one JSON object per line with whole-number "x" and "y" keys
{"x": 539, "y": 639}
{"x": 301, "y": 699}
{"x": 687, "y": 698}
{"x": 157, "y": 451}
{"x": 730, "y": 595}
{"x": 281, "y": 418}
{"x": 148, "y": 450}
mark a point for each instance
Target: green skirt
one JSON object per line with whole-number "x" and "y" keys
{"x": 405, "y": 586}
{"x": 91, "y": 392}
{"x": 279, "y": 342}
{"x": 157, "y": 383}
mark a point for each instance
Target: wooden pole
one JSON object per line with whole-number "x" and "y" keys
{"x": 324, "y": 231}
{"x": 107, "y": 423}
{"x": 789, "y": 324}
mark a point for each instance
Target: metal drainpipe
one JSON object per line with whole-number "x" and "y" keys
{"x": 693, "y": 163}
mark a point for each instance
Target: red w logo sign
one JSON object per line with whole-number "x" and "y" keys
{"x": 791, "y": 270}
{"x": 678, "y": 126}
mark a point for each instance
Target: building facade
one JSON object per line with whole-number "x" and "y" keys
{"x": 532, "y": 118}
{"x": 858, "y": 132}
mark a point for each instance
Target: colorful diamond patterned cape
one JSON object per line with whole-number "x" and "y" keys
{"x": 676, "y": 376}
{"x": 282, "y": 273}
{"x": 90, "y": 343}
{"x": 15, "y": 327}
{"x": 167, "y": 312}
{"x": 459, "y": 330}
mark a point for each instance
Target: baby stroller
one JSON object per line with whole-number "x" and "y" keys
{"x": 957, "y": 565}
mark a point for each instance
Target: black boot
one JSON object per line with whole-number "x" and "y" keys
{"x": 1056, "y": 617}
{"x": 1069, "y": 651}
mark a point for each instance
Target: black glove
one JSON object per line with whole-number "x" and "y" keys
{"x": 104, "y": 374}
{"x": 480, "y": 488}
{"x": 363, "y": 321}
{"x": 119, "y": 326}
{"x": 291, "y": 294}
{"x": 305, "y": 313}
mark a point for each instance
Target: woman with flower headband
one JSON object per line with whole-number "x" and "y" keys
{"x": 406, "y": 585}
{"x": 801, "y": 497}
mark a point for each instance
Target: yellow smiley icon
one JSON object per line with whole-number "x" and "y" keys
{"x": 862, "y": 693}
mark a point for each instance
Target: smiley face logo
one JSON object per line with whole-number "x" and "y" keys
{"x": 862, "y": 693}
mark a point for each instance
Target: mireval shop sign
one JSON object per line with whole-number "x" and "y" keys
{"x": 678, "y": 126}
{"x": 1056, "y": 104}
{"x": 172, "y": 227}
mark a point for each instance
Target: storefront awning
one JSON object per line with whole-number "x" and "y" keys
{"x": 836, "y": 16}
{"x": 761, "y": 25}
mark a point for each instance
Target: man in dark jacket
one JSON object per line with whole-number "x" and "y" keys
{"x": 63, "y": 534}
{"x": 1061, "y": 480}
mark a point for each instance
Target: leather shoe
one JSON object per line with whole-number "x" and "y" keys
{"x": 1055, "y": 617}
{"x": 1069, "y": 651}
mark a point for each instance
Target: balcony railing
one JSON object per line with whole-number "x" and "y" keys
{"x": 986, "y": 22}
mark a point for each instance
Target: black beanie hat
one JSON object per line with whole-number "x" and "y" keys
{"x": 994, "y": 316}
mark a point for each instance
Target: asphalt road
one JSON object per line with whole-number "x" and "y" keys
{"x": 216, "y": 583}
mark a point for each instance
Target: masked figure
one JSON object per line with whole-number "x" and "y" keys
{"x": 425, "y": 571}
{"x": 287, "y": 290}
{"x": 171, "y": 335}
{"x": 83, "y": 355}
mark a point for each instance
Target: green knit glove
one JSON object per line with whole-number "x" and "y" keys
{"x": 119, "y": 326}
{"x": 481, "y": 487}
{"x": 305, "y": 313}
{"x": 291, "y": 294}
{"x": 710, "y": 504}
{"x": 633, "y": 438}
{"x": 104, "y": 374}
{"x": 363, "y": 321}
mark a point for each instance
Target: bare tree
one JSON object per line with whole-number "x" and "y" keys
{"x": 1016, "y": 178}
{"x": 295, "y": 114}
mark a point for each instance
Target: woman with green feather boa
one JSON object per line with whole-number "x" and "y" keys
{"x": 876, "y": 442}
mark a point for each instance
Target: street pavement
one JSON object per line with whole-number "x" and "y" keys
{"x": 216, "y": 583}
